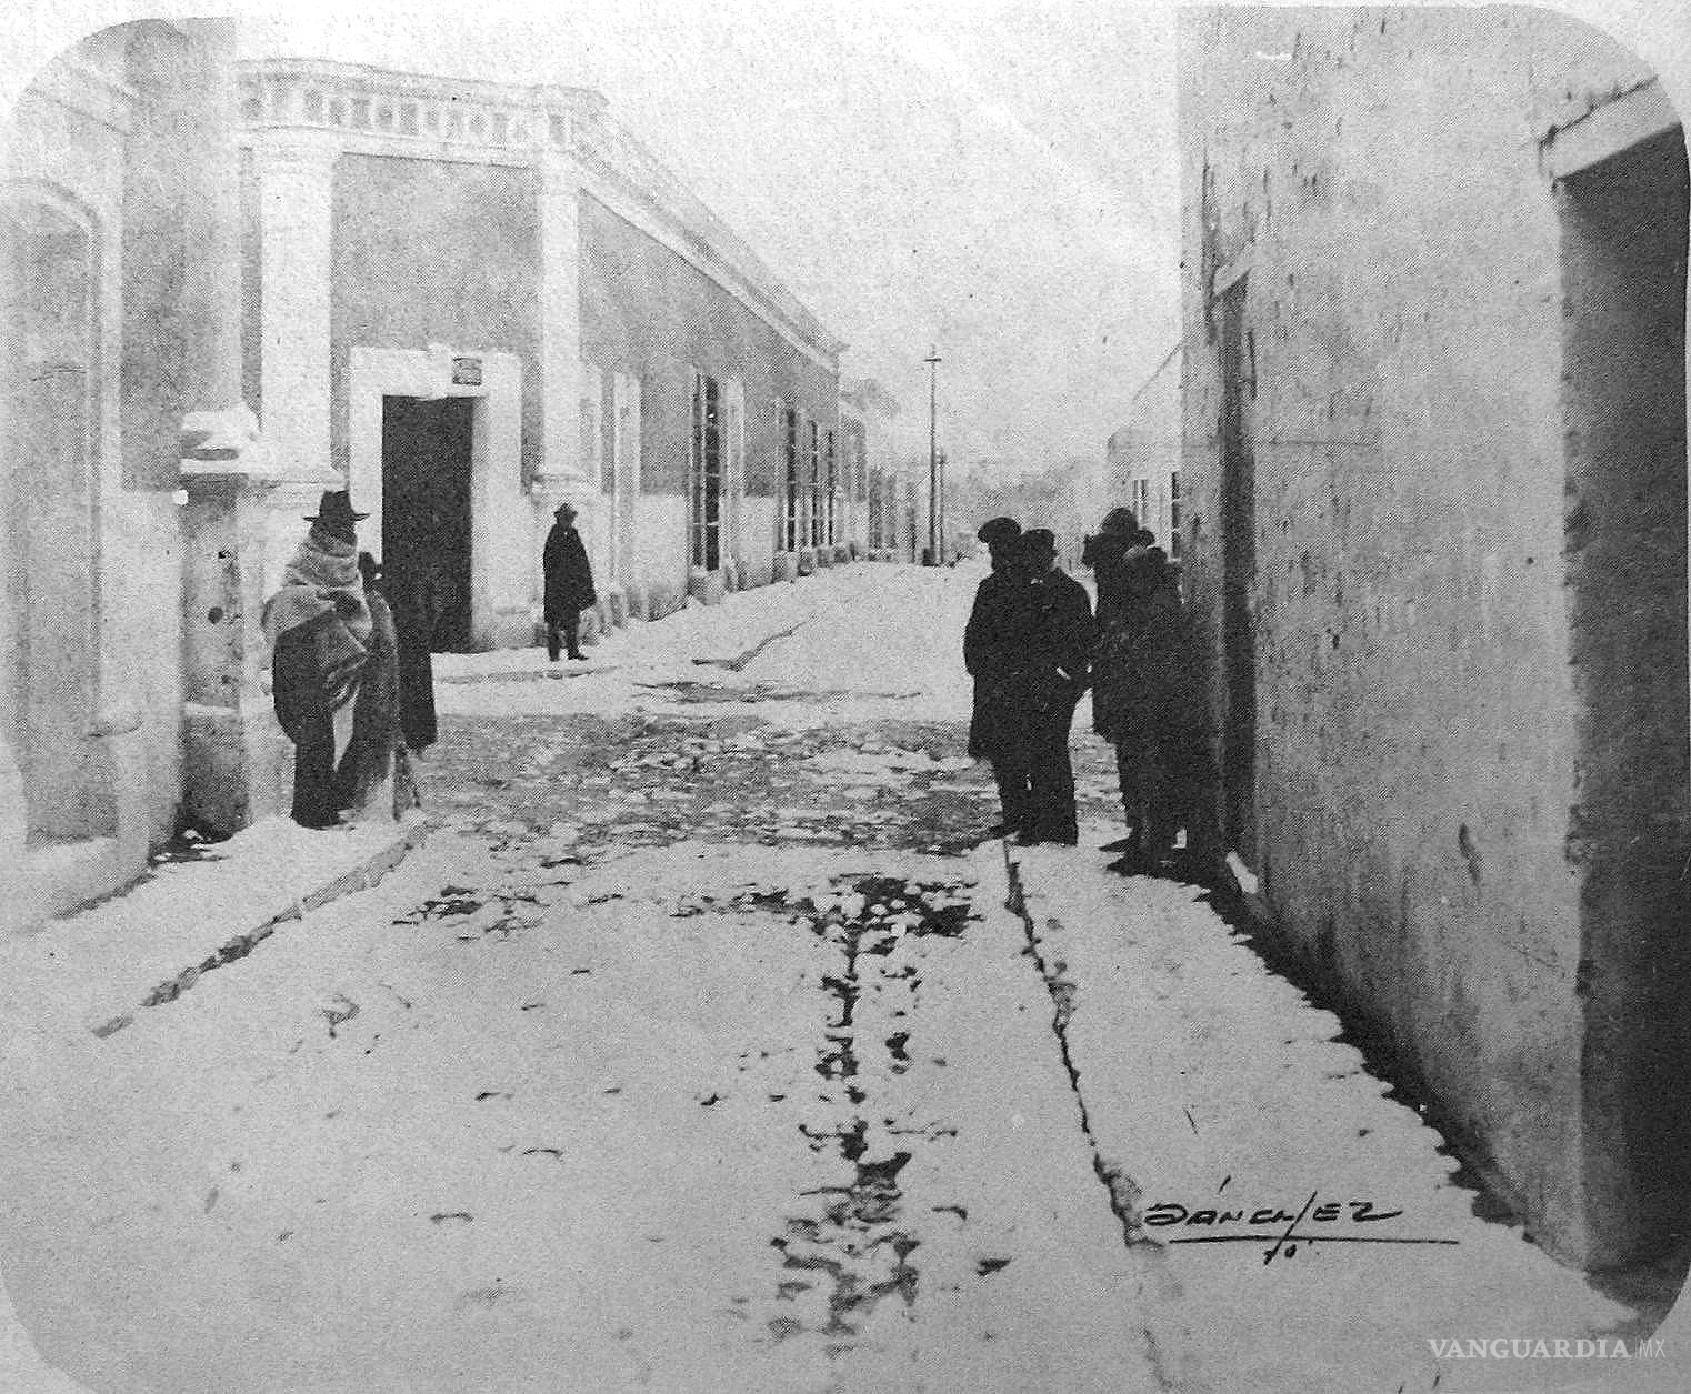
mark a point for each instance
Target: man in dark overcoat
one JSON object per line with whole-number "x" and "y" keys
{"x": 569, "y": 585}
{"x": 989, "y": 653}
{"x": 1053, "y": 630}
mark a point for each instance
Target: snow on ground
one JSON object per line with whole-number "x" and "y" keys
{"x": 395, "y": 1153}
{"x": 1212, "y": 1084}
{"x": 86, "y": 969}
{"x": 911, "y": 670}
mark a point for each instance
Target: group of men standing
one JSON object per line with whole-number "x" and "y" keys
{"x": 1034, "y": 645}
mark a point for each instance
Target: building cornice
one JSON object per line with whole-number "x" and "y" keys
{"x": 82, "y": 87}
{"x": 371, "y": 110}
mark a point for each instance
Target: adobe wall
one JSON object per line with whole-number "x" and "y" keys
{"x": 435, "y": 251}
{"x": 647, "y": 311}
{"x": 1417, "y": 723}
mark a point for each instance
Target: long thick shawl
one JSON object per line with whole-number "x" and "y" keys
{"x": 318, "y": 624}
{"x": 368, "y": 763}
{"x": 322, "y": 576}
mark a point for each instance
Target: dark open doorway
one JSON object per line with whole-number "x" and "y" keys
{"x": 426, "y": 460}
{"x": 1623, "y": 267}
{"x": 1238, "y": 565}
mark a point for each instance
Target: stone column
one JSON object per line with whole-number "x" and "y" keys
{"x": 561, "y": 475}
{"x": 236, "y": 762}
{"x": 295, "y": 181}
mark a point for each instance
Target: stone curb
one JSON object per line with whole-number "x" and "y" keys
{"x": 361, "y": 877}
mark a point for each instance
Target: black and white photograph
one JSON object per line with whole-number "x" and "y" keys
{"x": 844, "y": 697}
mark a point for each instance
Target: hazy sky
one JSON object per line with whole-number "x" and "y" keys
{"x": 995, "y": 179}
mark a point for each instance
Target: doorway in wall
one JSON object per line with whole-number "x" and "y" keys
{"x": 1238, "y": 566}
{"x": 426, "y": 460}
{"x": 1623, "y": 224}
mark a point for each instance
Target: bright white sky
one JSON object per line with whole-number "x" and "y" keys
{"x": 997, "y": 179}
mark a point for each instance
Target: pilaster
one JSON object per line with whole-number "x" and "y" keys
{"x": 296, "y": 186}
{"x": 562, "y": 471}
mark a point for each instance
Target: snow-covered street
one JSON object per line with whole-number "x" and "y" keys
{"x": 710, "y": 1043}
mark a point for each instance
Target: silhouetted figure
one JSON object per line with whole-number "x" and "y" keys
{"x": 569, "y": 585}
{"x": 414, "y": 609}
{"x": 990, "y": 651}
{"x": 1053, "y": 631}
{"x": 1143, "y": 697}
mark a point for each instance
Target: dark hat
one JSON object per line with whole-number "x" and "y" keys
{"x": 1039, "y": 542}
{"x": 996, "y": 532}
{"x": 1145, "y": 566}
{"x": 1120, "y": 520}
{"x": 335, "y": 510}
{"x": 565, "y": 507}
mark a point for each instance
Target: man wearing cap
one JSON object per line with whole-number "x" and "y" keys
{"x": 318, "y": 624}
{"x": 990, "y": 653}
{"x": 569, "y": 585}
{"x": 1054, "y": 633}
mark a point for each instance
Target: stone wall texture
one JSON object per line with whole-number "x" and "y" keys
{"x": 1406, "y": 499}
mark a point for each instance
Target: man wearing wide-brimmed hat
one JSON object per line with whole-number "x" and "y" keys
{"x": 318, "y": 624}
{"x": 569, "y": 585}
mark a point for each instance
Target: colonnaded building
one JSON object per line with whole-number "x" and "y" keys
{"x": 229, "y": 286}
{"x": 476, "y": 300}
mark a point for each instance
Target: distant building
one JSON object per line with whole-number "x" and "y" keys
{"x": 476, "y": 300}
{"x": 1434, "y": 494}
{"x": 1143, "y": 456}
{"x": 865, "y": 407}
{"x": 1069, "y": 499}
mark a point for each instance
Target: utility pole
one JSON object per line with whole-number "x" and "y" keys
{"x": 933, "y": 360}
{"x": 944, "y": 536}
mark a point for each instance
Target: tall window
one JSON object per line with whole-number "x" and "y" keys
{"x": 705, "y": 475}
{"x": 790, "y": 495}
{"x": 1139, "y": 499}
{"x": 625, "y": 472}
{"x": 1174, "y": 515}
{"x": 816, "y": 509}
{"x": 733, "y": 468}
{"x": 833, "y": 493}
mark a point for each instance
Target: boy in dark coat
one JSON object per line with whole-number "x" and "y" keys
{"x": 1054, "y": 635}
{"x": 989, "y": 653}
{"x": 569, "y": 585}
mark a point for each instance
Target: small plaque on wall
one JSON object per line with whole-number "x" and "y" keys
{"x": 466, "y": 372}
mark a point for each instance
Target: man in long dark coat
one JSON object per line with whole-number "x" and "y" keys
{"x": 1144, "y": 697}
{"x": 990, "y": 653}
{"x": 1053, "y": 629}
{"x": 413, "y": 610}
{"x": 569, "y": 585}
